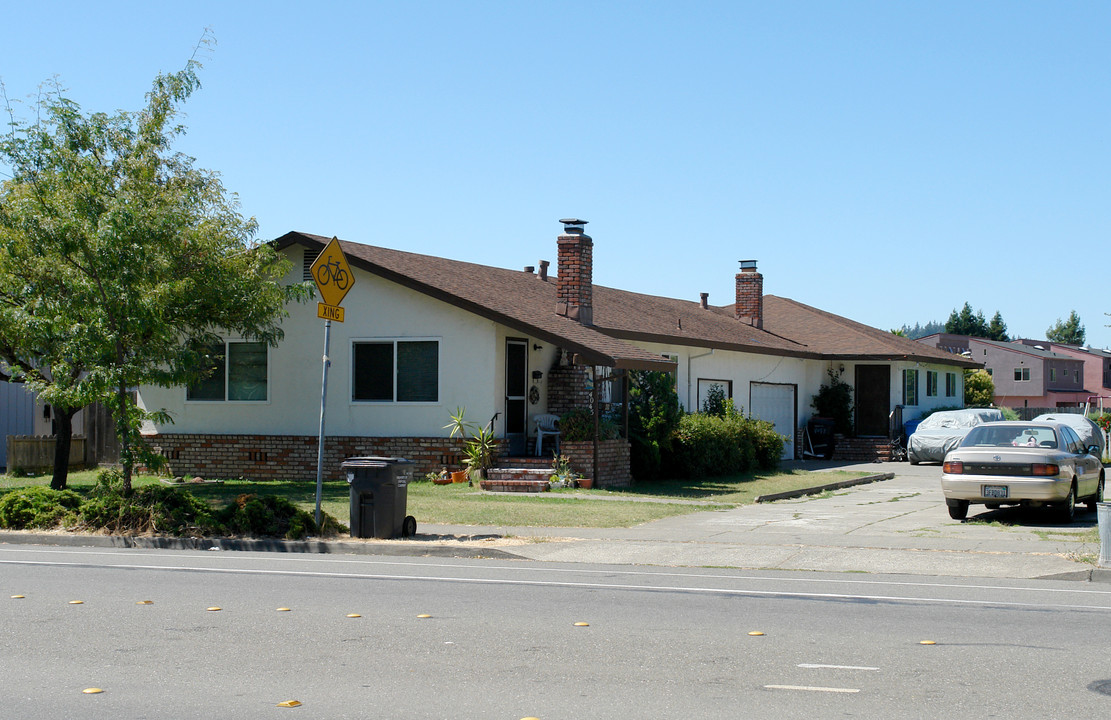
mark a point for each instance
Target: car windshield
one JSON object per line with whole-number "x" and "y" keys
{"x": 992, "y": 435}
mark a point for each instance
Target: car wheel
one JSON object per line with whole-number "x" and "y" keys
{"x": 409, "y": 526}
{"x": 992, "y": 506}
{"x": 912, "y": 462}
{"x": 1098, "y": 497}
{"x": 1068, "y": 508}
{"x": 959, "y": 509}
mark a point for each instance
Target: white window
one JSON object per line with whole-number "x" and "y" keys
{"x": 1023, "y": 374}
{"x": 396, "y": 370}
{"x": 237, "y": 372}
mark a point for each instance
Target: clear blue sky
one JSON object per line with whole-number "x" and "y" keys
{"x": 886, "y": 161}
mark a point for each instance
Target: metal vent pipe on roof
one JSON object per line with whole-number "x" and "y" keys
{"x": 544, "y": 270}
{"x": 704, "y": 300}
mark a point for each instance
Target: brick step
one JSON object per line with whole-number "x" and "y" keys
{"x": 863, "y": 449}
{"x": 518, "y": 473}
{"x": 526, "y": 486}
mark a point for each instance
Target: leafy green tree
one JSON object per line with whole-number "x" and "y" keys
{"x": 1069, "y": 332}
{"x": 979, "y": 390}
{"x": 835, "y": 401}
{"x": 997, "y": 329}
{"x": 120, "y": 261}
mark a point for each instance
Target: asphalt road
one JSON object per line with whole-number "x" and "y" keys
{"x": 502, "y": 642}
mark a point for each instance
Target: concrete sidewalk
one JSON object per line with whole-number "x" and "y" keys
{"x": 899, "y": 525}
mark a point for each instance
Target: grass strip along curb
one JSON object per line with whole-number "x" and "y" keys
{"x": 822, "y": 488}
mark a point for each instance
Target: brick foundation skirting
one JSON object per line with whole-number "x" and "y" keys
{"x": 613, "y": 461}
{"x": 293, "y": 457}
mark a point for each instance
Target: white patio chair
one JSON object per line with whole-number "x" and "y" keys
{"x": 546, "y": 425}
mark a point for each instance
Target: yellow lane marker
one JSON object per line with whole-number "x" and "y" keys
{"x": 213, "y": 609}
{"x": 283, "y": 610}
{"x": 145, "y": 602}
{"x": 424, "y": 617}
{"x": 289, "y": 703}
{"x": 354, "y": 615}
{"x": 756, "y": 633}
{"x": 582, "y": 624}
{"x": 76, "y": 602}
{"x": 927, "y": 642}
{"x": 92, "y": 691}
{"x": 18, "y": 597}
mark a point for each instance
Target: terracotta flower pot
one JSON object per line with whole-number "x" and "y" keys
{"x": 459, "y": 476}
{"x": 586, "y": 483}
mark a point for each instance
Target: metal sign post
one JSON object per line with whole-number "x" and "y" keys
{"x": 320, "y": 437}
{"x": 333, "y": 278}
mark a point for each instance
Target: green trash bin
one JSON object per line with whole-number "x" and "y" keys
{"x": 379, "y": 493}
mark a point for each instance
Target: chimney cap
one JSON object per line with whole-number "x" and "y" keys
{"x": 573, "y": 224}
{"x": 748, "y": 265}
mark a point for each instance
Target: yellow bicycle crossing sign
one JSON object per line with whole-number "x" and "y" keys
{"x": 333, "y": 278}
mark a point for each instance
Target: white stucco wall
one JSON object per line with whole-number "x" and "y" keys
{"x": 471, "y": 369}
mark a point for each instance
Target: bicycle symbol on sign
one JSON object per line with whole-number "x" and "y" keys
{"x": 332, "y": 272}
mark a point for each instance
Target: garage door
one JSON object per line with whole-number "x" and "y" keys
{"x": 776, "y": 404}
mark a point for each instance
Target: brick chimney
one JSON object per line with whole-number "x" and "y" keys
{"x": 750, "y": 295}
{"x": 575, "y": 286}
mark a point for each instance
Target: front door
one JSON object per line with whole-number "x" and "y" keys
{"x": 516, "y": 387}
{"x": 873, "y": 399}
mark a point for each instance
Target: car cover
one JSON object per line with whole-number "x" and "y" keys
{"x": 944, "y": 430}
{"x": 1089, "y": 432}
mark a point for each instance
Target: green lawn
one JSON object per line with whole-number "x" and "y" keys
{"x": 460, "y": 504}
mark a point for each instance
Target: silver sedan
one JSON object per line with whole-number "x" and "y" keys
{"x": 1022, "y": 463}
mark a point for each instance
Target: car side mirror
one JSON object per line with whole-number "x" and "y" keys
{"x": 1093, "y": 450}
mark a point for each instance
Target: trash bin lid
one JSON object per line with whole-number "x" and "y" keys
{"x": 373, "y": 460}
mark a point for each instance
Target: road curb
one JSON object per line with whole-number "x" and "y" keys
{"x": 319, "y": 547}
{"x": 822, "y": 488}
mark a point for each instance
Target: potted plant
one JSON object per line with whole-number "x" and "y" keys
{"x": 480, "y": 451}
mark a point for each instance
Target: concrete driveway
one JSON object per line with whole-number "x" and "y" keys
{"x": 892, "y": 526}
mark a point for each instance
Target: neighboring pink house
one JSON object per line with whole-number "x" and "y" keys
{"x": 1097, "y": 363}
{"x": 1025, "y": 375}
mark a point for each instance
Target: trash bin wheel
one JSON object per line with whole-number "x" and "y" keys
{"x": 409, "y": 527}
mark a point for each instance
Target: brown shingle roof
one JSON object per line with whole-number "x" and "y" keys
{"x": 838, "y": 337}
{"x": 522, "y": 301}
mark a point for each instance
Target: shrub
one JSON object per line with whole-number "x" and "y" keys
{"x": 835, "y": 401}
{"x": 268, "y": 516}
{"x": 1009, "y": 414}
{"x": 149, "y": 509}
{"x": 38, "y": 507}
{"x": 707, "y": 445}
{"x": 715, "y": 401}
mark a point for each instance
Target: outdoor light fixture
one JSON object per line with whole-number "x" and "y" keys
{"x": 536, "y": 374}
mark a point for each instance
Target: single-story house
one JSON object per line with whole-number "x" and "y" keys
{"x": 424, "y": 335}
{"x": 1025, "y": 374}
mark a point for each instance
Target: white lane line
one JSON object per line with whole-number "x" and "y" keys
{"x": 815, "y": 666}
{"x": 565, "y": 584}
{"x": 809, "y": 688}
{"x": 319, "y": 558}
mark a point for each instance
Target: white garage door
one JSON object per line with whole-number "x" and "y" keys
{"x": 776, "y": 404}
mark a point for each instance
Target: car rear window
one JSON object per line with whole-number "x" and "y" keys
{"x": 1001, "y": 436}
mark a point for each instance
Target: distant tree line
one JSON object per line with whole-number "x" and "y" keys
{"x": 967, "y": 322}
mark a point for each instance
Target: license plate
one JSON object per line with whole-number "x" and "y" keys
{"x": 995, "y": 491}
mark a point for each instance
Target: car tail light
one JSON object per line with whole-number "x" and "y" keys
{"x": 955, "y": 467}
{"x": 1044, "y": 469}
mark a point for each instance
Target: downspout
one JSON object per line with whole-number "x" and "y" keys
{"x": 689, "y": 358}
{"x": 597, "y": 412}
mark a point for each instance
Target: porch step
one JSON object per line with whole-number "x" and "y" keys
{"x": 863, "y": 449}
{"x": 519, "y": 474}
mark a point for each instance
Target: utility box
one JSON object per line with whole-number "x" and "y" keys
{"x": 379, "y": 494}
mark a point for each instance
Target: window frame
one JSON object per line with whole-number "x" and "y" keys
{"x": 393, "y": 341}
{"x": 931, "y": 383}
{"x": 910, "y": 399}
{"x": 228, "y": 342}
{"x": 1022, "y": 374}
{"x": 950, "y": 384}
